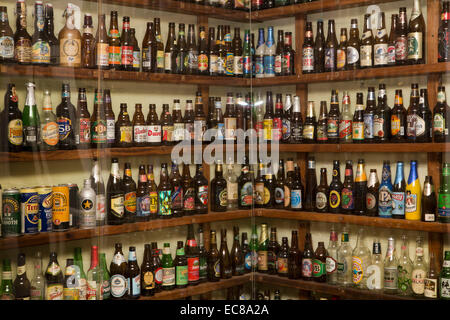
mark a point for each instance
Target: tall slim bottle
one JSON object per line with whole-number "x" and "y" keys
{"x": 31, "y": 121}
{"x": 398, "y": 193}
{"x": 413, "y": 199}
{"x": 115, "y": 196}
{"x": 390, "y": 268}
{"x": 331, "y": 260}
{"x": 385, "y": 192}
{"x": 360, "y": 262}
{"x": 360, "y": 189}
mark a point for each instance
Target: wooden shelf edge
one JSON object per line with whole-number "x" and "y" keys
{"x": 201, "y": 288}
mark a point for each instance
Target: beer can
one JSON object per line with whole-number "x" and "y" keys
{"x": 61, "y": 215}
{"x": 74, "y": 198}
{"x": 45, "y": 208}
{"x": 11, "y": 219}
{"x": 29, "y": 205}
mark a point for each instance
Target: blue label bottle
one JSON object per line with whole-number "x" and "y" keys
{"x": 259, "y": 56}
{"x": 269, "y": 55}
{"x": 385, "y": 192}
{"x": 398, "y": 193}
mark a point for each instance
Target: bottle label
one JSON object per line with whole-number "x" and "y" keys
{"x": 331, "y": 265}
{"x": 374, "y": 278}
{"x": 165, "y": 204}
{"x": 398, "y": 203}
{"x": 319, "y": 268}
{"x": 167, "y": 133}
{"x": 6, "y": 47}
{"x": 341, "y": 58}
{"x": 378, "y": 127}
{"x": 203, "y": 62}
{"x": 140, "y": 134}
{"x": 22, "y": 51}
{"x": 278, "y": 63}
{"x": 411, "y": 202}
{"x": 443, "y": 205}
{"x": 352, "y": 55}
{"x": 385, "y": 202}
{"x": 134, "y": 285}
{"x": 267, "y": 129}
{"x": 110, "y": 130}
{"x": 118, "y": 285}
{"x": 65, "y": 128}
{"x": 127, "y": 55}
{"x": 247, "y": 65}
{"x": 401, "y": 48}
{"x": 396, "y": 128}
{"x": 202, "y": 194}
{"x": 136, "y": 60}
{"x": 347, "y": 199}
{"x": 168, "y": 276}
{"x": 430, "y": 288}
{"x": 246, "y": 194}
{"x": 296, "y": 199}
{"x": 49, "y": 133}
{"x": 286, "y": 129}
{"x": 30, "y": 134}
{"x": 307, "y": 268}
{"x": 54, "y": 292}
{"x": 143, "y": 206}
{"x": 335, "y": 199}
{"x": 308, "y": 59}
{"x": 153, "y": 202}
{"x": 213, "y": 64}
{"x": 87, "y": 213}
{"x": 248, "y": 261}
{"x": 70, "y": 52}
{"x": 391, "y": 54}
{"x": 420, "y": 126}
{"x": 221, "y": 61}
{"x": 84, "y": 125}
{"x": 40, "y": 52}
{"x": 390, "y": 277}
{"x": 117, "y": 205}
{"x": 445, "y": 287}
{"x": 115, "y": 55}
{"x": 366, "y": 55}
{"x": 154, "y": 133}
{"x": 357, "y": 269}
{"x": 159, "y": 276}
{"x": 262, "y": 260}
{"x": 126, "y": 134}
{"x": 415, "y": 49}
{"x": 259, "y": 66}
{"x": 418, "y": 281}
{"x": 181, "y": 275}
{"x": 232, "y": 191}
{"x": 193, "y": 269}
{"x": 178, "y": 132}
{"x": 330, "y": 58}
{"x": 368, "y": 126}
{"x": 321, "y": 200}
{"x": 189, "y": 199}
{"x": 358, "y": 131}
{"x": 147, "y": 58}
{"x": 221, "y": 197}
{"x": 345, "y": 130}
{"x": 100, "y": 211}
{"x": 438, "y": 123}
{"x": 279, "y": 196}
{"x": 229, "y": 63}
{"x": 282, "y": 265}
{"x": 99, "y": 129}
{"x": 15, "y": 132}
{"x": 102, "y": 54}
{"x": 168, "y": 61}
{"x": 269, "y": 65}
{"x": 380, "y": 53}
{"x": 332, "y": 128}
{"x": 230, "y": 128}
{"x": 177, "y": 197}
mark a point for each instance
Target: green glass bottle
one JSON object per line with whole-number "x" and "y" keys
{"x": 444, "y": 195}
{"x": 247, "y": 56}
{"x": 82, "y": 284}
{"x": 7, "y": 284}
{"x": 30, "y": 118}
{"x": 181, "y": 267}
{"x": 106, "y": 283}
{"x": 254, "y": 248}
{"x": 262, "y": 249}
{"x": 168, "y": 269}
{"x": 444, "y": 278}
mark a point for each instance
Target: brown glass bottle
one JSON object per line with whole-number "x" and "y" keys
{"x": 118, "y": 271}
{"x": 188, "y": 121}
{"x": 22, "y": 39}
{"x": 147, "y": 273}
{"x": 136, "y": 62}
{"x": 193, "y": 259}
{"x": 398, "y": 119}
{"x": 214, "y": 266}
{"x": 177, "y": 191}
{"x": 49, "y": 30}
{"x": 392, "y": 38}
{"x": 181, "y": 51}
{"x": 358, "y": 120}
{"x": 416, "y": 36}
{"x": 218, "y": 190}
{"x": 164, "y": 194}
{"x": 311, "y": 185}
{"x": 153, "y": 127}
{"x": 126, "y": 46}
{"x": 201, "y": 191}
{"x": 226, "y": 271}
{"x": 294, "y": 259}
{"x": 83, "y": 131}
{"x": 272, "y": 252}
{"x": 307, "y": 259}
{"x": 348, "y": 190}
{"x": 440, "y": 117}
{"x": 199, "y": 119}
{"x": 153, "y": 191}
{"x": 123, "y": 128}
{"x": 7, "y": 42}
{"x": 429, "y": 208}
{"x": 110, "y": 119}
{"x": 114, "y": 195}
{"x": 444, "y": 26}
{"x": 40, "y": 52}
{"x": 319, "y": 49}
{"x": 382, "y": 117}
{"x": 88, "y": 44}
{"x": 335, "y": 189}
{"x": 167, "y": 126}
{"x": 237, "y": 259}
{"x": 157, "y": 267}
{"x": 288, "y": 65}
{"x": 129, "y": 191}
{"x": 188, "y": 192}
{"x": 366, "y": 47}
{"x": 319, "y": 263}
{"x": 160, "y": 63}
{"x": 170, "y": 52}
{"x": 149, "y": 46}
{"x": 330, "y": 51}
{"x": 412, "y": 114}
{"x": 102, "y": 44}
{"x": 212, "y": 52}
{"x": 424, "y": 132}
{"x": 178, "y": 124}
{"x": 191, "y": 60}
{"x": 282, "y": 258}
{"x": 279, "y": 196}
{"x": 341, "y": 53}
{"x": 308, "y": 62}
{"x": 380, "y": 45}
{"x": 181, "y": 267}
{"x": 139, "y": 127}
{"x": 278, "y": 67}
{"x": 237, "y": 50}
{"x": 322, "y": 123}
{"x": 203, "y": 52}
{"x": 333, "y": 119}
{"x": 353, "y": 46}
{"x": 372, "y": 194}
{"x": 115, "y": 58}
{"x": 401, "y": 42}
{"x": 322, "y": 192}
{"x": 22, "y": 286}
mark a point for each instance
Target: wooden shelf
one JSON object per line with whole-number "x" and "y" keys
{"x": 78, "y": 234}
{"x": 343, "y": 292}
{"x": 353, "y": 219}
{"x": 201, "y": 288}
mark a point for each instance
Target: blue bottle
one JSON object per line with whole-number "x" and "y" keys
{"x": 259, "y": 56}
{"x": 398, "y": 193}
{"x": 385, "y": 192}
{"x": 269, "y": 55}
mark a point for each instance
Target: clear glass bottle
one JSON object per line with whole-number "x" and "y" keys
{"x": 390, "y": 268}
{"x": 332, "y": 274}
{"x": 38, "y": 281}
{"x": 49, "y": 132}
{"x": 376, "y": 268}
{"x": 94, "y": 277}
{"x": 404, "y": 269}
{"x": 419, "y": 270}
{"x": 344, "y": 260}
{"x": 361, "y": 260}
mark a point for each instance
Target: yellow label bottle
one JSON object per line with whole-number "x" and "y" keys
{"x": 413, "y": 199}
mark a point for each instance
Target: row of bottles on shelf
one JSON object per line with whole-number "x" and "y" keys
{"x": 62, "y": 207}
{"x": 72, "y": 127}
{"x": 404, "y": 45}
{"x": 358, "y": 267}
{"x": 192, "y": 265}
{"x": 115, "y": 50}
{"x": 246, "y": 5}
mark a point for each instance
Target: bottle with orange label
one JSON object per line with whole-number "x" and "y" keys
{"x": 49, "y": 126}
{"x": 398, "y": 118}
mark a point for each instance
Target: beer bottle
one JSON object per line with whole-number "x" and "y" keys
{"x": 123, "y": 128}
{"x": 99, "y": 188}
{"x": 360, "y": 192}
{"x": 247, "y": 63}
{"x": 440, "y": 117}
{"x": 83, "y": 125}
{"x": 115, "y": 195}
{"x": 294, "y": 265}
{"x": 246, "y": 253}
{"x": 330, "y": 56}
{"x": 253, "y": 247}
{"x": 181, "y": 267}
{"x": 170, "y": 52}
{"x": 70, "y": 291}
{"x": 149, "y": 50}
{"x": 296, "y": 122}
{"x": 319, "y": 49}
{"x": 398, "y": 118}
{"x": 214, "y": 264}
{"x": 248, "y": 112}
{"x": 221, "y": 49}
{"x": 167, "y": 126}
{"x": 188, "y": 122}
{"x": 366, "y": 48}
{"x": 428, "y": 201}
{"x": 230, "y": 119}
{"x": 319, "y": 263}
{"x": 262, "y": 249}
{"x": 341, "y": 53}
{"x": 192, "y": 255}
{"x": 212, "y": 53}
{"x": 88, "y": 44}
{"x": 7, "y": 42}
{"x": 136, "y": 63}
{"x": 142, "y": 196}
{"x": 424, "y": 131}
{"x": 219, "y": 190}
{"x": 188, "y": 191}
{"x": 358, "y": 120}
{"x": 308, "y": 62}
{"x": 416, "y": 36}
{"x": 322, "y": 193}
{"x": 380, "y": 45}
{"x": 54, "y": 279}
{"x": 49, "y": 30}
{"x": 178, "y": 125}
{"x": 22, "y": 40}
{"x": 297, "y": 191}
{"x": 229, "y": 52}
{"x": 147, "y": 274}
{"x": 353, "y": 45}
{"x": 199, "y": 119}
{"x": 191, "y": 60}
{"x": 385, "y": 192}
{"x": 311, "y": 185}
{"x": 49, "y": 125}
{"x": 232, "y": 188}
{"x": 259, "y": 54}
{"x": 345, "y": 121}
{"x": 444, "y": 278}
{"x": 102, "y": 44}
{"x": 66, "y": 115}
{"x": 203, "y": 256}
{"x": 401, "y": 42}
{"x": 181, "y": 55}
{"x": 40, "y": 51}
{"x": 177, "y": 191}
{"x": 203, "y": 54}
{"x": 98, "y": 122}
{"x": 443, "y": 34}
{"x": 369, "y": 116}
{"x": 286, "y": 117}
{"x": 110, "y": 118}
{"x": 412, "y": 114}
{"x": 160, "y": 55}
{"x": 22, "y": 286}
{"x": 70, "y": 41}
{"x": 133, "y": 275}
{"x": 237, "y": 260}
{"x": 115, "y": 58}
{"x": 225, "y": 260}
{"x": 279, "y": 196}
{"x": 288, "y": 183}
{"x": 154, "y": 127}
{"x": 168, "y": 269}
{"x": 126, "y": 46}
{"x": 269, "y": 54}
{"x": 201, "y": 191}
{"x": 382, "y": 116}
{"x": 31, "y": 121}
{"x": 307, "y": 259}
{"x": 241, "y": 123}
{"x": 217, "y": 122}
{"x": 391, "y": 268}
{"x": 372, "y": 194}
{"x": 153, "y": 190}
{"x": 105, "y": 278}
{"x": 279, "y": 54}
{"x": 322, "y": 123}
{"x": 348, "y": 190}
{"x": 245, "y": 186}
{"x": 7, "y": 284}
{"x": 333, "y": 119}
{"x": 118, "y": 270}
{"x": 310, "y": 125}
{"x": 335, "y": 189}
{"x": 237, "y": 53}
{"x": 398, "y": 193}
{"x": 157, "y": 267}
{"x": 259, "y": 186}
{"x": 413, "y": 199}
{"x": 277, "y": 119}
{"x": 431, "y": 279}
{"x": 391, "y": 41}
{"x": 129, "y": 190}
{"x": 269, "y": 188}
{"x": 164, "y": 194}
{"x": 272, "y": 252}
{"x": 268, "y": 124}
